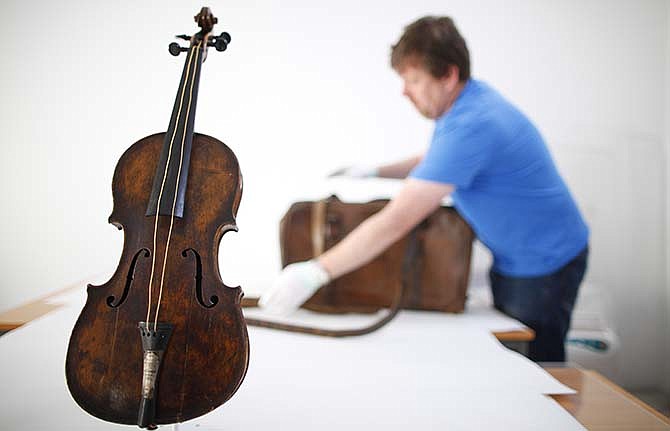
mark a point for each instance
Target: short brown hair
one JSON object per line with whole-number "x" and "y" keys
{"x": 435, "y": 43}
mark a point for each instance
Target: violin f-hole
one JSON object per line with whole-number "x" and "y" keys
{"x": 213, "y": 300}
{"x": 129, "y": 279}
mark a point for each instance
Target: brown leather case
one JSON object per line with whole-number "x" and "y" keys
{"x": 432, "y": 263}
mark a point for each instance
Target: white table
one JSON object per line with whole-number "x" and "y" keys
{"x": 423, "y": 370}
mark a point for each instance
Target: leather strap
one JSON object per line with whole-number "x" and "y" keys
{"x": 410, "y": 279}
{"x": 318, "y": 227}
{"x": 246, "y": 302}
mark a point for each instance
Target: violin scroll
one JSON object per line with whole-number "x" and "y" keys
{"x": 206, "y": 22}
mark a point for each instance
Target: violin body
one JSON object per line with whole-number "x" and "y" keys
{"x": 208, "y": 350}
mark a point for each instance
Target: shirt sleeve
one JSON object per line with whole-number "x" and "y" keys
{"x": 457, "y": 153}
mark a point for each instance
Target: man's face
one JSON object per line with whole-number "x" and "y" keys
{"x": 430, "y": 95}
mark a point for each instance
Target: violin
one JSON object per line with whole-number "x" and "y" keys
{"x": 164, "y": 340}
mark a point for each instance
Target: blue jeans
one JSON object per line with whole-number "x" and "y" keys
{"x": 542, "y": 303}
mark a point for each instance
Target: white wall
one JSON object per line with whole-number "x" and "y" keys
{"x": 305, "y": 87}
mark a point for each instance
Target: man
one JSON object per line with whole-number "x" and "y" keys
{"x": 494, "y": 163}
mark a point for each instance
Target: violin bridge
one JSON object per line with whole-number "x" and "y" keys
{"x": 154, "y": 343}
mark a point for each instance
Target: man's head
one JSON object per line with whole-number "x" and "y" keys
{"x": 433, "y": 60}
{"x": 433, "y": 43}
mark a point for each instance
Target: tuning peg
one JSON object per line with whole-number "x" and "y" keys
{"x": 220, "y": 45}
{"x": 222, "y": 41}
{"x": 183, "y": 36}
{"x": 225, "y": 36}
{"x": 175, "y": 49}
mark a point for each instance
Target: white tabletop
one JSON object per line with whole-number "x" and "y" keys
{"x": 422, "y": 370}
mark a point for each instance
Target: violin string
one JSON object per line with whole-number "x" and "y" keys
{"x": 160, "y": 194}
{"x": 181, "y": 159}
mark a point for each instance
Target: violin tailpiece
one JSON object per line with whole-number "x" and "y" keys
{"x": 154, "y": 343}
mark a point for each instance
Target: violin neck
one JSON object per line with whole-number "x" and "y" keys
{"x": 175, "y": 154}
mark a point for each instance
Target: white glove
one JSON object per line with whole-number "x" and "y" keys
{"x": 356, "y": 171}
{"x": 295, "y": 285}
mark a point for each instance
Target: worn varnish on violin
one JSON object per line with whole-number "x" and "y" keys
{"x": 164, "y": 340}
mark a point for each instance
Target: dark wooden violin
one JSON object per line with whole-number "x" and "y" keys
{"x": 164, "y": 340}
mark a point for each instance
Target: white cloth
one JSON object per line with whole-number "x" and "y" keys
{"x": 296, "y": 283}
{"x": 356, "y": 171}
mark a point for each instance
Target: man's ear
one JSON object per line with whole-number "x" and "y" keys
{"x": 453, "y": 73}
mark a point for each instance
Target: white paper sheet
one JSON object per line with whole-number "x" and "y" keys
{"x": 461, "y": 411}
{"x": 413, "y": 373}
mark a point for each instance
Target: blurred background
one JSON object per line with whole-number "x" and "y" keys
{"x": 304, "y": 88}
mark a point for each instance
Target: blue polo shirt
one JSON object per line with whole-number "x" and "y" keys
{"x": 507, "y": 186}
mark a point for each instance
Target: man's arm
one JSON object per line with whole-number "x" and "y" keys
{"x": 415, "y": 201}
{"x": 399, "y": 169}
{"x": 394, "y": 170}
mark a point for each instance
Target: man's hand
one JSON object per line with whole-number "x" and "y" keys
{"x": 355, "y": 171}
{"x": 295, "y": 285}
